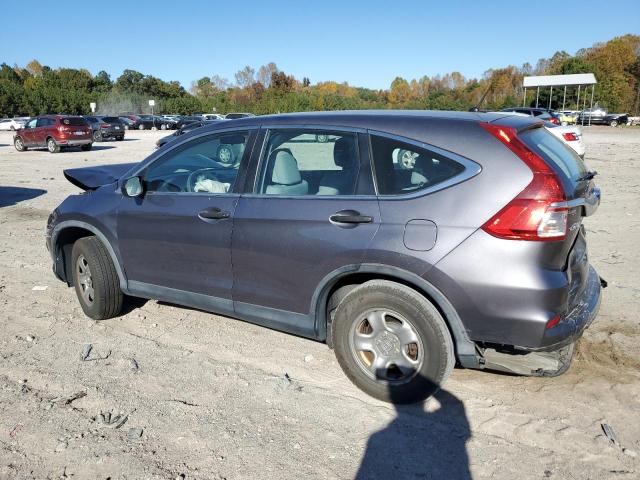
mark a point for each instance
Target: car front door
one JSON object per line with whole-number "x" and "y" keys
{"x": 175, "y": 240}
{"x": 27, "y": 133}
{"x": 312, "y": 210}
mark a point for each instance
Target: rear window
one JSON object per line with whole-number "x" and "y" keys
{"x": 560, "y": 156}
{"x": 404, "y": 168}
{"x": 74, "y": 121}
{"x": 111, "y": 119}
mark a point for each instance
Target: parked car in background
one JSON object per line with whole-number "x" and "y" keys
{"x": 212, "y": 116}
{"x": 105, "y": 127}
{"x": 332, "y": 240}
{"x": 571, "y": 135}
{"x": 126, "y": 122}
{"x": 541, "y": 113}
{"x": 233, "y": 116}
{"x": 54, "y": 132}
{"x": 163, "y": 123}
{"x": 141, "y": 122}
{"x": 184, "y": 129}
{"x": 568, "y": 117}
{"x": 187, "y": 119}
{"x": 599, "y": 116}
{"x": 10, "y": 124}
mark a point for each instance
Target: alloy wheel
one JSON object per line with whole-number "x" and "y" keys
{"x": 386, "y": 346}
{"x": 85, "y": 279}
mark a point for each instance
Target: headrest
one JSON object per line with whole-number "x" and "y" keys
{"x": 344, "y": 152}
{"x": 285, "y": 168}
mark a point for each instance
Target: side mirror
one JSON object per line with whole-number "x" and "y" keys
{"x": 132, "y": 187}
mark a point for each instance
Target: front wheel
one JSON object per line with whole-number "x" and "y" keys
{"x": 95, "y": 279}
{"x": 52, "y": 146}
{"x": 97, "y": 136}
{"x": 19, "y": 144}
{"x": 141, "y": 127}
{"x": 613, "y": 123}
{"x": 392, "y": 342}
{"x": 225, "y": 154}
{"x": 163, "y": 126}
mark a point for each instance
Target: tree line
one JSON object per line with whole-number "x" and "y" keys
{"x": 38, "y": 89}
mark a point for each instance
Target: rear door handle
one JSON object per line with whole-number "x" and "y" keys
{"x": 350, "y": 217}
{"x": 213, "y": 213}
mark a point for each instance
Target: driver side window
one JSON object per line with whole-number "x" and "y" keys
{"x": 206, "y": 165}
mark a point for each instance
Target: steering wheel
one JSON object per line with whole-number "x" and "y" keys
{"x": 205, "y": 173}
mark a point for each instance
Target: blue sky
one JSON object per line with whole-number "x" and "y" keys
{"x": 366, "y": 43}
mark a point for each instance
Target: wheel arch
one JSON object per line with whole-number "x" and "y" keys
{"x": 357, "y": 274}
{"x": 65, "y": 234}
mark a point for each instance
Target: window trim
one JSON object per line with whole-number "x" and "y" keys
{"x": 253, "y": 191}
{"x": 471, "y": 168}
{"x": 149, "y": 161}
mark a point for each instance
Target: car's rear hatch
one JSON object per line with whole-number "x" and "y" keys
{"x": 111, "y": 125}
{"x": 583, "y": 198}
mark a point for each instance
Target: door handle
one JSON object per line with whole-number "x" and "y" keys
{"x": 350, "y": 217}
{"x": 213, "y": 213}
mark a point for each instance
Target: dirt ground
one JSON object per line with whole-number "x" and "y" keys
{"x": 202, "y": 396}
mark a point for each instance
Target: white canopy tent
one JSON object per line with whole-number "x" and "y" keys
{"x": 577, "y": 79}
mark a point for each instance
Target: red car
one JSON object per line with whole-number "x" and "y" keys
{"x": 54, "y": 132}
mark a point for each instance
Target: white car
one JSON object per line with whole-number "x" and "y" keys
{"x": 7, "y": 124}
{"x": 571, "y": 135}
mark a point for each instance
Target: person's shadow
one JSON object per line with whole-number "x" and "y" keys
{"x": 419, "y": 444}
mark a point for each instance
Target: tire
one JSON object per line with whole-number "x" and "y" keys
{"x": 225, "y": 155}
{"x": 119, "y": 139}
{"x": 87, "y": 147}
{"x": 97, "y": 136}
{"x": 52, "y": 146}
{"x": 12, "y": 128}
{"x": 19, "y": 144}
{"x": 613, "y": 123}
{"x": 406, "y": 159}
{"x": 163, "y": 126}
{"x": 141, "y": 126}
{"x": 95, "y": 279}
{"x": 126, "y": 127}
{"x": 405, "y": 372}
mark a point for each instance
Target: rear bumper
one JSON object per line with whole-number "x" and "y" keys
{"x": 573, "y": 325}
{"x": 65, "y": 142}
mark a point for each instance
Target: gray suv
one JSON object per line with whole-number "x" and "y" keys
{"x": 474, "y": 253}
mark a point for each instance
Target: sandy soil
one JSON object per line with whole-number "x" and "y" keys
{"x": 218, "y": 398}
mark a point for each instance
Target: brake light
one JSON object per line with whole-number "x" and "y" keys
{"x": 570, "y": 136}
{"x": 104, "y": 125}
{"x": 538, "y": 212}
{"x": 554, "y": 120}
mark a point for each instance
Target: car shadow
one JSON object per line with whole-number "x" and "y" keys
{"x": 13, "y": 195}
{"x": 102, "y": 147}
{"x": 420, "y": 444}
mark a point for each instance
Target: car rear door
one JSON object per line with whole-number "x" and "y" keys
{"x": 175, "y": 240}
{"x": 310, "y": 211}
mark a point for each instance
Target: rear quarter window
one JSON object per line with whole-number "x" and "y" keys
{"x": 557, "y": 154}
{"x": 73, "y": 121}
{"x": 402, "y": 168}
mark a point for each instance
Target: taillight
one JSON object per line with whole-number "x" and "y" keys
{"x": 552, "y": 322}
{"x": 554, "y": 120}
{"x": 538, "y": 212}
{"x": 104, "y": 125}
{"x": 570, "y": 136}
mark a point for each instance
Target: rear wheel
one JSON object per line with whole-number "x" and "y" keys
{"x": 19, "y": 144}
{"x": 86, "y": 147}
{"x": 95, "y": 279}
{"x": 119, "y": 139}
{"x": 225, "y": 154}
{"x": 163, "y": 126}
{"x": 52, "y": 146}
{"x": 141, "y": 126}
{"x": 97, "y": 136}
{"x": 392, "y": 342}
{"x": 613, "y": 123}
